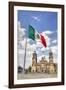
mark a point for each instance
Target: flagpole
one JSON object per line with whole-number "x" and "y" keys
{"x": 25, "y": 56}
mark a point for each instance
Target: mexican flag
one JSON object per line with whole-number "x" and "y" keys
{"x": 34, "y": 35}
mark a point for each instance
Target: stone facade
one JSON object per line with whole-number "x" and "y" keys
{"x": 43, "y": 66}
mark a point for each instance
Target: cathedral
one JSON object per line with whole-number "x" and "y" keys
{"x": 43, "y": 66}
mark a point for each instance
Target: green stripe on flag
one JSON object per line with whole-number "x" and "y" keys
{"x": 31, "y": 32}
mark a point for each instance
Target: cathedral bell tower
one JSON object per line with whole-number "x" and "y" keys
{"x": 34, "y": 58}
{"x": 50, "y": 56}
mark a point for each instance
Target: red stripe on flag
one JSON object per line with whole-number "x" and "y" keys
{"x": 43, "y": 41}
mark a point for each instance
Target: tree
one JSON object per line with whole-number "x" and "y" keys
{"x": 29, "y": 69}
{"x": 26, "y": 71}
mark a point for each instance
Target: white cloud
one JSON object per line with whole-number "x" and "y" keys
{"x": 21, "y": 47}
{"x": 22, "y": 42}
{"x": 48, "y": 32}
{"x": 28, "y": 59}
{"x": 40, "y": 57}
{"x": 29, "y": 50}
{"x": 36, "y": 18}
{"x": 21, "y": 31}
{"x": 44, "y": 49}
{"x": 54, "y": 41}
{"x": 39, "y": 44}
{"x": 33, "y": 47}
{"x": 18, "y": 24}
{"x": 30, "y": 47}
{"x": 20, "y": 51}
{"x": 54, "y": 49}
{"x": 28, "y": 40}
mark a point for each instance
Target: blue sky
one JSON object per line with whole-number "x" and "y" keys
{"x": 43, "y": 22}
{"x": 40, "y": 20}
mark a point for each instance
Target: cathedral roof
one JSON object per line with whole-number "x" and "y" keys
{"x": 43, "y": 60}
{"x": 38, "y": 64}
